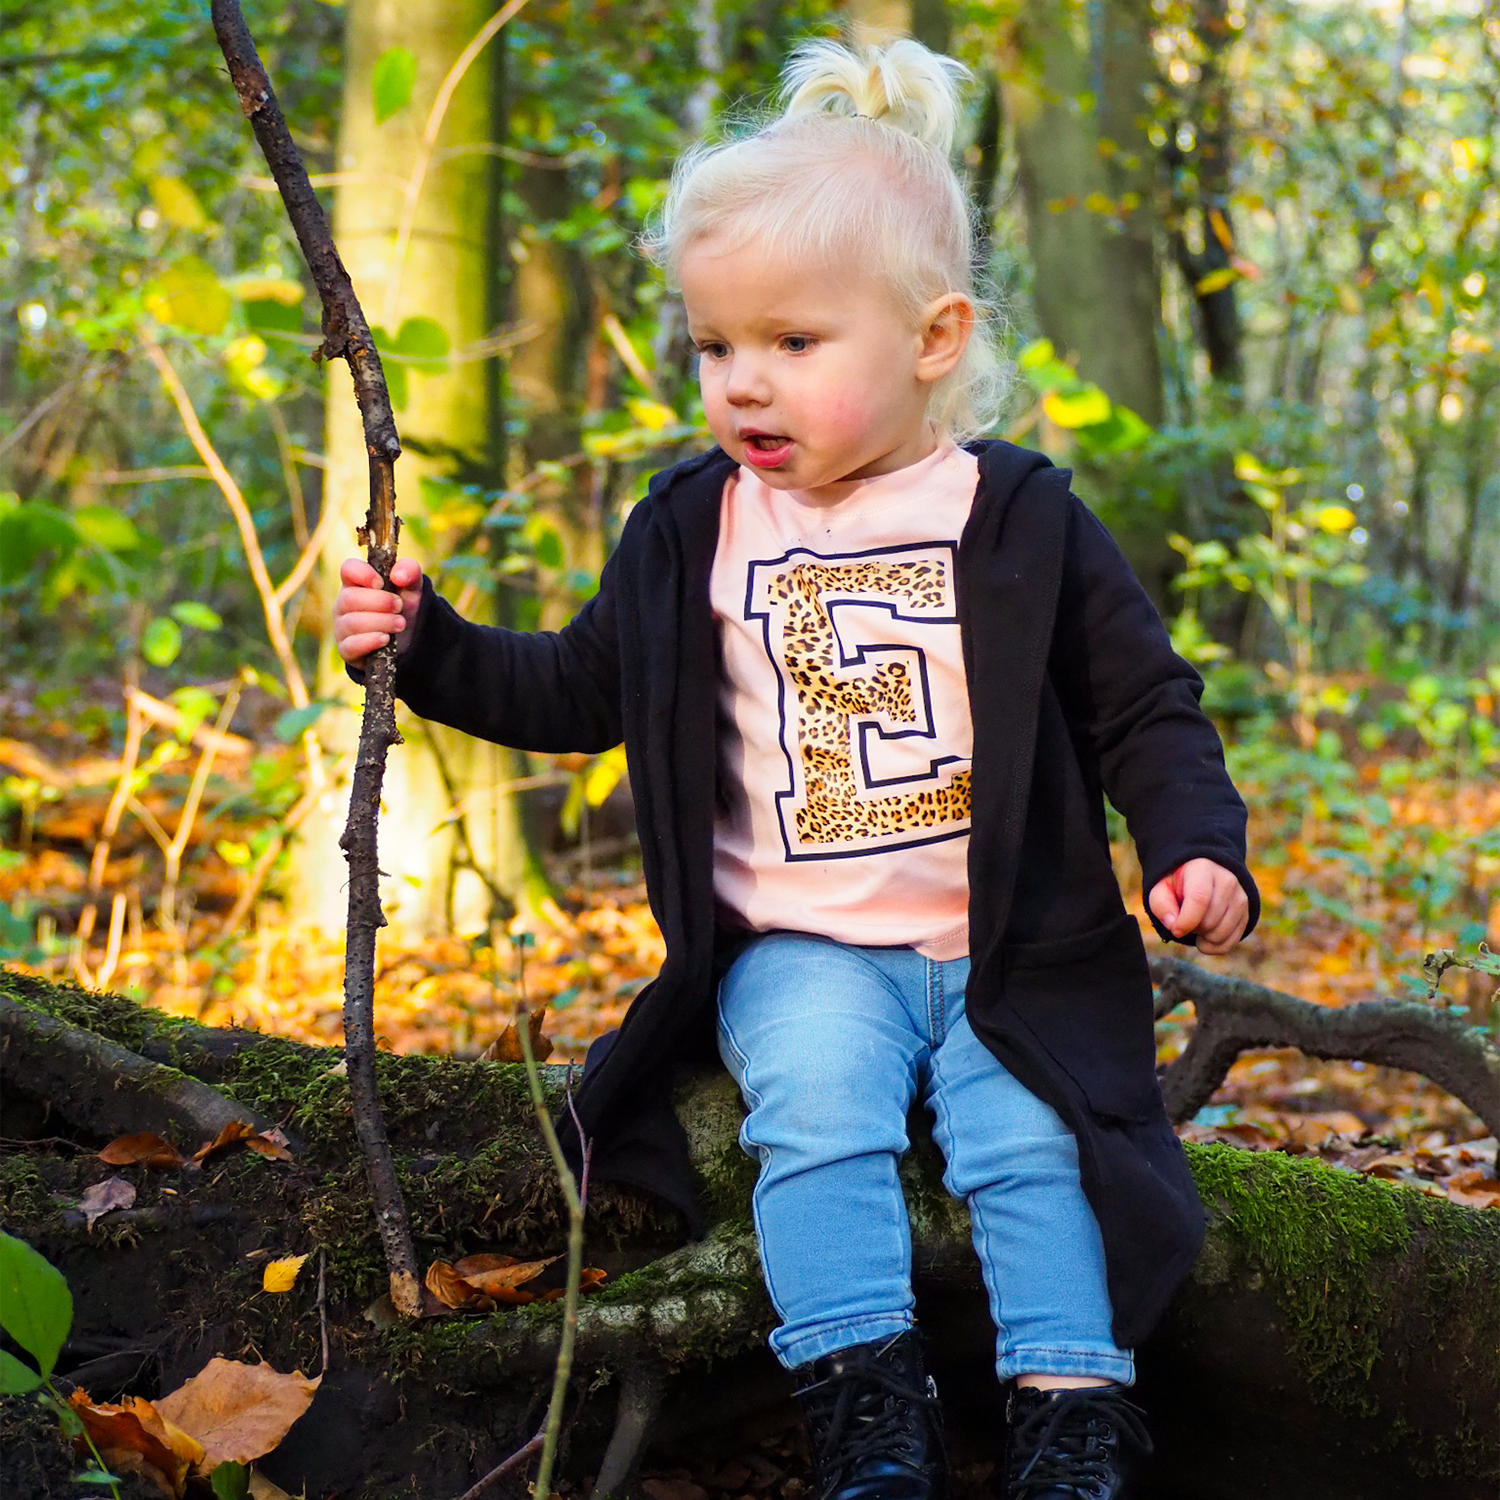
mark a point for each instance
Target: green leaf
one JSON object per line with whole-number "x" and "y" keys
{"x": 106, "y": 528}
{"x": 1034, "y": 356}
{"x": 230, "y": 1481}
{"x": 99, "y": 1476}
{"x": 188, "y": 295}
{"x": 295, "y": 722}
{"x": 268, "y": 315}
{"x": 36, "y": 1307}
{"x": 15, "y": 1378}
{"x": 199, "y": 616}
{"x": 421, "y": 338}
{"x": 195, "y": 704}
{"x": 395, "y": 72}
{"x": 161, "y": 641}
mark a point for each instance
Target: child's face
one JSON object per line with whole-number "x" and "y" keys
{"x": 813, "y": 374}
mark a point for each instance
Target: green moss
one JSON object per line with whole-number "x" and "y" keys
{"x": 1345, "y": 1257}
{"x": 25, "y": 1197}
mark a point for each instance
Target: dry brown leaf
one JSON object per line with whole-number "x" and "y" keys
{"x": 500, "y": 1278}
{"x": 268, "y": 1143}
{"x": 506, "y": 1047}
{"x": 104, "y": 1197}
{"x": 450, "y": 1289}
{"x": 237, "y": 1411}
{"x": 137, "y": 1437}
{"x": 145, "y": 1149}
{"x": 262, "y": 1488}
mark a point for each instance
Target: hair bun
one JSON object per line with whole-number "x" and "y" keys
{"x": 901, "y": 84}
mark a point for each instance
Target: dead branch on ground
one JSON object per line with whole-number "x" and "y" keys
{"x": 1237, "y": 1015}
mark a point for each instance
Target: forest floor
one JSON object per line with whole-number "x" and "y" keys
{"x": 1329, "y": 935}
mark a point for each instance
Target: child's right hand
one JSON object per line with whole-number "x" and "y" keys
{"x": 366, "y": 615}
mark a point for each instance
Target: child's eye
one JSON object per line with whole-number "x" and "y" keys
{"x": 798, "y": 343}
{"x": 714, "y": 351}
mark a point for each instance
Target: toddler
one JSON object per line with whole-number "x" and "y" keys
{"x": 874, "y": 680}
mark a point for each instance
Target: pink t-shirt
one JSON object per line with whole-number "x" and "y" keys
{"x": 844, "y": 729}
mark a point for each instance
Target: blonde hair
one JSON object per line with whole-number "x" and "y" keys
{"x": 856, "y": 165}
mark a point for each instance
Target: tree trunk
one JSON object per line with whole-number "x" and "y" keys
{"x": 432, "y": 858}
{"x": 1078, "y": 102}
{"x": 1338, "y": 1338}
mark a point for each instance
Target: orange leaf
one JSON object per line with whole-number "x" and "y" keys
{"x": 144, "y": 1149}
{"x": 136, "y": 1437}
{"x": 501, "y": 1281}
{"x": 264, "y": 1143}
{"x": 448, "y": 1286}
{"x": 507, "y": 1046}
{"x": 236, "y": 1411}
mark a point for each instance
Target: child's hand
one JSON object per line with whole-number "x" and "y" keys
{"x": 366, "y": 616}
{"x": 1205, "y": 898}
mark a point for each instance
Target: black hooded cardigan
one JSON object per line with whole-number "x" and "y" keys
{"x": 1075, "y": 693}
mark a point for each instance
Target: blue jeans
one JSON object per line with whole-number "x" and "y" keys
{"x": 828, "y": 1044}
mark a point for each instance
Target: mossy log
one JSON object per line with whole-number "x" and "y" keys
{"x": 1340, "y": 1337}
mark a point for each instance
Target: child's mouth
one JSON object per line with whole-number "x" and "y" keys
{"x": 767, "y": 450}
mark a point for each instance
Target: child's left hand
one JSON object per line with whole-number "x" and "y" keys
{"x": 1204, "y": 898}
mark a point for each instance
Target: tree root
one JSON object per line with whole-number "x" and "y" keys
{"x": 642, "y": 1387}
{"x": 1236, "y": 1015}
{"x": 105, "y": 1088}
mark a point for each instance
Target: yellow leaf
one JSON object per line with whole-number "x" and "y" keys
{"x": 652, "y": 414}
{"x": 1097, "y": 203}
{"x": 1082, "y": 408}
{"x": 177, "y": 203}
{"x": 280, "y": 1275}
{"x": 1349, "y": 299}
{"x": 1336, "y": 518}
{"x": 1215, "y": 281}
{"x": 188, "y": 295}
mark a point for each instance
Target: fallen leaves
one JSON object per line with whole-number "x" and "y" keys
{"x": 270, "y": 1143}
{"x": 239, "y": 1412}
{"x": 134, "y": 1438}
{"x": 281, "y": 1275}
{"x": 105, "y": 1197}
{"x": 144, "y": 1149}
{"x": 506, "y": 1047}
{"x": 229, "y": 1413}
{"x": 480, "y": 1283}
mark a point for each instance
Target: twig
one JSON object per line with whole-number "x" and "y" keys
{"x": 323, "y": 1306}
{"x": 255, "y": 877}
{"x": 425, "y": 149}
{"x": 1235, "y": 1015}
{"x": 571, "y": 1192}
{"x": 289, "y": 475}
{"x": 504, "y": 1467}
{"x": 296, "y": 686}
{"x": 189, "y": 815}
{"x": 346, "y": 335}
{"x": 112, "y": 945}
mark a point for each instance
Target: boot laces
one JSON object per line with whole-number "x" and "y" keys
{"x": 1068, "y": 1438}
{"x": 865, "y": 1411}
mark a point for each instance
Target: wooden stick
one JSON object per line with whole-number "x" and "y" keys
{"x": 346, "y": 335}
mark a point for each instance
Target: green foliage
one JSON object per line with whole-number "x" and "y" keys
{"x": 230, "y": 1481}
{"x": 36, "y": 1310}
{"x": 391, "y": 82}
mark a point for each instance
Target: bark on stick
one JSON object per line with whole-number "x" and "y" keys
{"x": 346, "y": 335}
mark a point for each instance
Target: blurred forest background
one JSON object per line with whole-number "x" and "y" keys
{"x": 1249, "y": 265}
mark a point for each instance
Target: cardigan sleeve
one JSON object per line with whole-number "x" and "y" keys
{"x": 554, "y": 691}
{"x": 1123, "y": 687}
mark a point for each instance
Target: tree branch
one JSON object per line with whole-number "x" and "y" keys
{"x": 346, "y": 335}
{"x": 1236, "y": 1015}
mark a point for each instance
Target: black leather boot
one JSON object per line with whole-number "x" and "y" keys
{"x": 1087, "y": 1444}
{"x": 873, "y": 1425}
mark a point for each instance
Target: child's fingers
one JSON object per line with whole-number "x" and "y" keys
{"x": 355, "y": 648}
{"x": 406, "y": 574}
{"x": 363, "y": 622}
{"x": 1197, "y": 892}
{"x": 366, "y": 601}
{"x": 357, "y": 573}
{"x": 1163, "y": 903}
{"x": 1227, "y": 919}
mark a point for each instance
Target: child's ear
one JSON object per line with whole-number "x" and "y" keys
{"x": 946, "y": 327}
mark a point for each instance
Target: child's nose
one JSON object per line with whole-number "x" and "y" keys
{"x": 746, "y": 385}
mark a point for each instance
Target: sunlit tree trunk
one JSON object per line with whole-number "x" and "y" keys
{"x": 1075, "y": 87}
{"x": 448, "y": 830}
